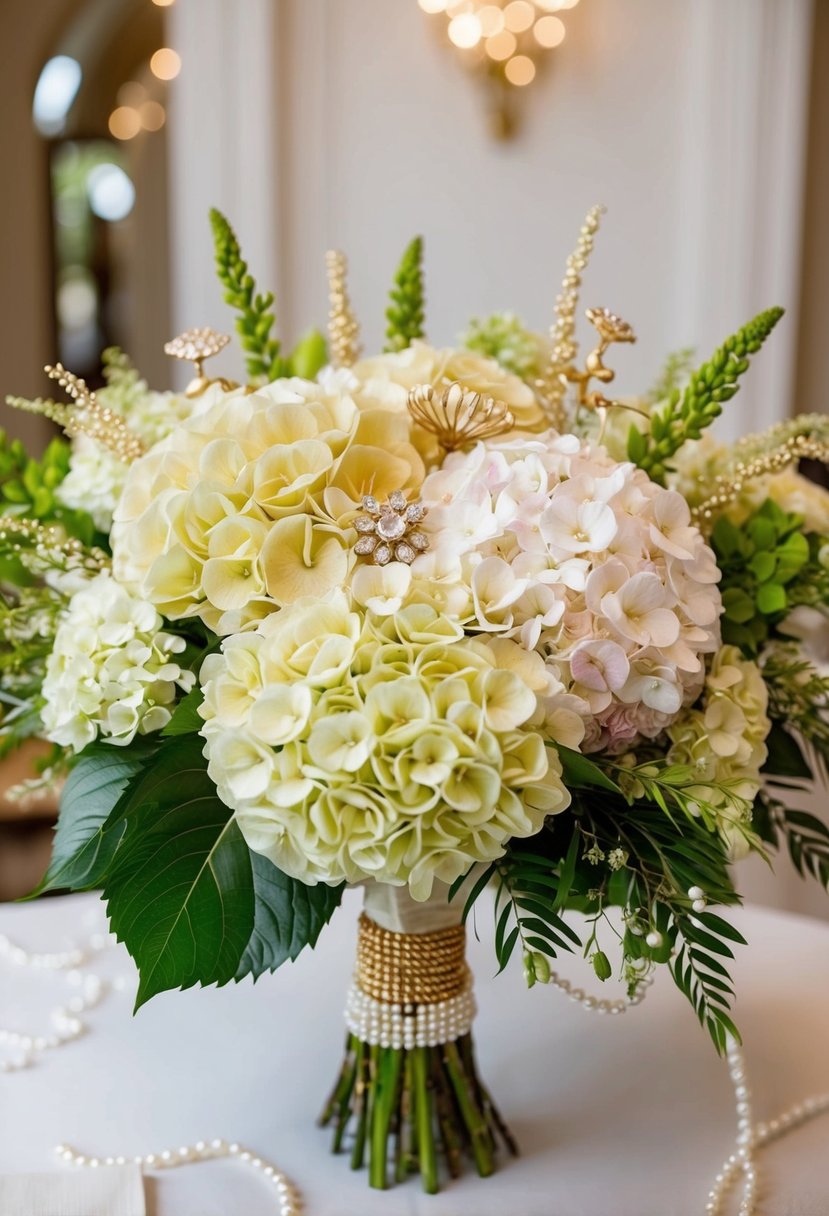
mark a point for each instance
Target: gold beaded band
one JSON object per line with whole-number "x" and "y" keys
{"x": 411, "y": 968}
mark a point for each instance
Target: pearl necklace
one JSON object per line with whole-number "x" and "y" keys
{"x": 203, "y": 1150}
{"x": 751, "y": 1136}
{"x": 65, "y": 1018}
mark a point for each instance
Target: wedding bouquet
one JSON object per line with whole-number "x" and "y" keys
{"x": 431, "y": 621}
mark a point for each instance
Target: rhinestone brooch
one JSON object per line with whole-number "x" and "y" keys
{"x": 389, "y": 532}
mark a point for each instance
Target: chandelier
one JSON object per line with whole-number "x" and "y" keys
{"x": 504, "y": 43}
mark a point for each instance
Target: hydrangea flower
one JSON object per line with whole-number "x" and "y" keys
{"x": 587, "y": 563}
{"x": 724, "y": 740}
{"x": 360, "y": 746}
{"x": 111, "y": 672}
{"x": 245, "y": 508}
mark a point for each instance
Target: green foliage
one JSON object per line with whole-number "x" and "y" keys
{"x": 700, "y": 974}
{"x": 687, "y": 413}
{"x": 761, "y": 563}
{"x": 85, "y": 839}
{"x": 677, "y": 369}
{"x": 805, "y": 836}
{"x": 287, "y": 916}
{"x": 185, "y": 894}
{"x": 256, "y": 318}
{"x": 309, "y": 355}
{"x": 405, "y": 314}
{"x": 504, "y": 337}
{"x": 186, "y": 719}
{"x": 798, "y": 702}
{"x": 530, "y": 893}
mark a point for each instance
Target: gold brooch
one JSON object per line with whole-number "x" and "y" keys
{"x": 390, "y": 531}
{"x": 610, "y": 328}
{"x": 194, "y": 346}
{"x": 458, "y": 416}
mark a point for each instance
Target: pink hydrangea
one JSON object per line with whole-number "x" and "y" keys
{"x": 586, "y": 562}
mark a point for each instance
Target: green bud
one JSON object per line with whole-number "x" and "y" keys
{"x": 541, "y": 967}
{"x": 601, "y": 965}
{"x": 529, "y": 969}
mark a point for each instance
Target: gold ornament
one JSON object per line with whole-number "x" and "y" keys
{"x": 610, "y": 329}
{"x": 87, "y": 417}
{"x": 390, "y": 532}
{"x": 194, "y": 346}
{"x": 343, "y": 328}
{"x": 552, "y": 386}
{"x": 458, "y": 416}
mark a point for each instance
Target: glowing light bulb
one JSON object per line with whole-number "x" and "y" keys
{"x": 520, "y": 70}
{"x": 124, "y": 122}
{"x": 491, "y": 19}
{"x": 165, "y": 64}
{"x": 465, "y": 30}
{"x": 549, "y": 31}
{"x": 501, "y": 46}
{"x": 519, "y": 16}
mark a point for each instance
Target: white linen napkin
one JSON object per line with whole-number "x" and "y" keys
{"x": 112, "y": 1190}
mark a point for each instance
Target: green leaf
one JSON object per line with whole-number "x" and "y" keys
{"x": 580, "y": 772}
{"x": 255, "y": 319}
{"x": 180, "y": 896}
{"x": 186, "y": 719}
{"x": 739, "y": 607}
{"x": 763, "y": 566}
{"x": 785, "y": 757}
{"x": 771, "y": 599}
{"x": 309, "y": 355}
{"x": 83, "y": 847}
{"x": 288, "y": 915}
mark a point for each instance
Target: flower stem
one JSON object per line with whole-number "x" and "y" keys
{"x": 425, "y": 1128}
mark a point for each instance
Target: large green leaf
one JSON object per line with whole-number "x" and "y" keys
{"x": 288, "y": 915}
{"x": 582, "y": 773}
{"x": 180, "y": 892}
{"x": 84, "y": 846}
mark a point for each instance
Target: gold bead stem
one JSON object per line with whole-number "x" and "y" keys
{"x": 343, "y": 328}
{"x": 551, "y": 388}
{"x": 88, "y": 417}
{"x": 730, "y": 485}
{"x": 410, "y": 968}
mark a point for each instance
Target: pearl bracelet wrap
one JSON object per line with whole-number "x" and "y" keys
{"x": 410, "y": 989}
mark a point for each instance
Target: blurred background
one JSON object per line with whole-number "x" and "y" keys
{"x": 703, "y": 127}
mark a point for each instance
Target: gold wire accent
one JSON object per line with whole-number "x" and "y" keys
{"x": 86, "y": 416}
{"x": 610, "y": 328}
{"x": 410, "y": 968}
{"x": 343, "y": 327}
{"x": 458, "y": 416}
{"x": 730, "y": 485}
{"x": 194, "y": 346}
{"x": 552, "y": 385}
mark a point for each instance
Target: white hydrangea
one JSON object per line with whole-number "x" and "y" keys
{"x": 96, "y": 475}
{"x": 111, "y": 672}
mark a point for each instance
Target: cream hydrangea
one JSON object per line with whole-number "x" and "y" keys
{"x": 359, "y": 746}
{"x": 111, "y": 671}
{"x": 724, "y": 740}
{"x": 245, "y": 507}
{"x": 588, "y": 564}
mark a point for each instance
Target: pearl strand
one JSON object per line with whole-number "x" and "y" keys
{"x": 751, "y": 1137}
{"x": 288, "y": 1197}
{"x": 409, "y": 1025}
{"x": 65, "y": 1018}
{"x": 595, "y": 1004}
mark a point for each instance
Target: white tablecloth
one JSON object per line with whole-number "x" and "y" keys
{"x": 624, "y": 1116}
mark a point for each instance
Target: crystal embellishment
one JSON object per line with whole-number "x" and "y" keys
{"x": 387, "y": 533}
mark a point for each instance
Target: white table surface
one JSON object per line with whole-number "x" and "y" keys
{"x": 624, "y": 1116}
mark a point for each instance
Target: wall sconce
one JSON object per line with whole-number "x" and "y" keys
{"x": 504, "y": 42}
